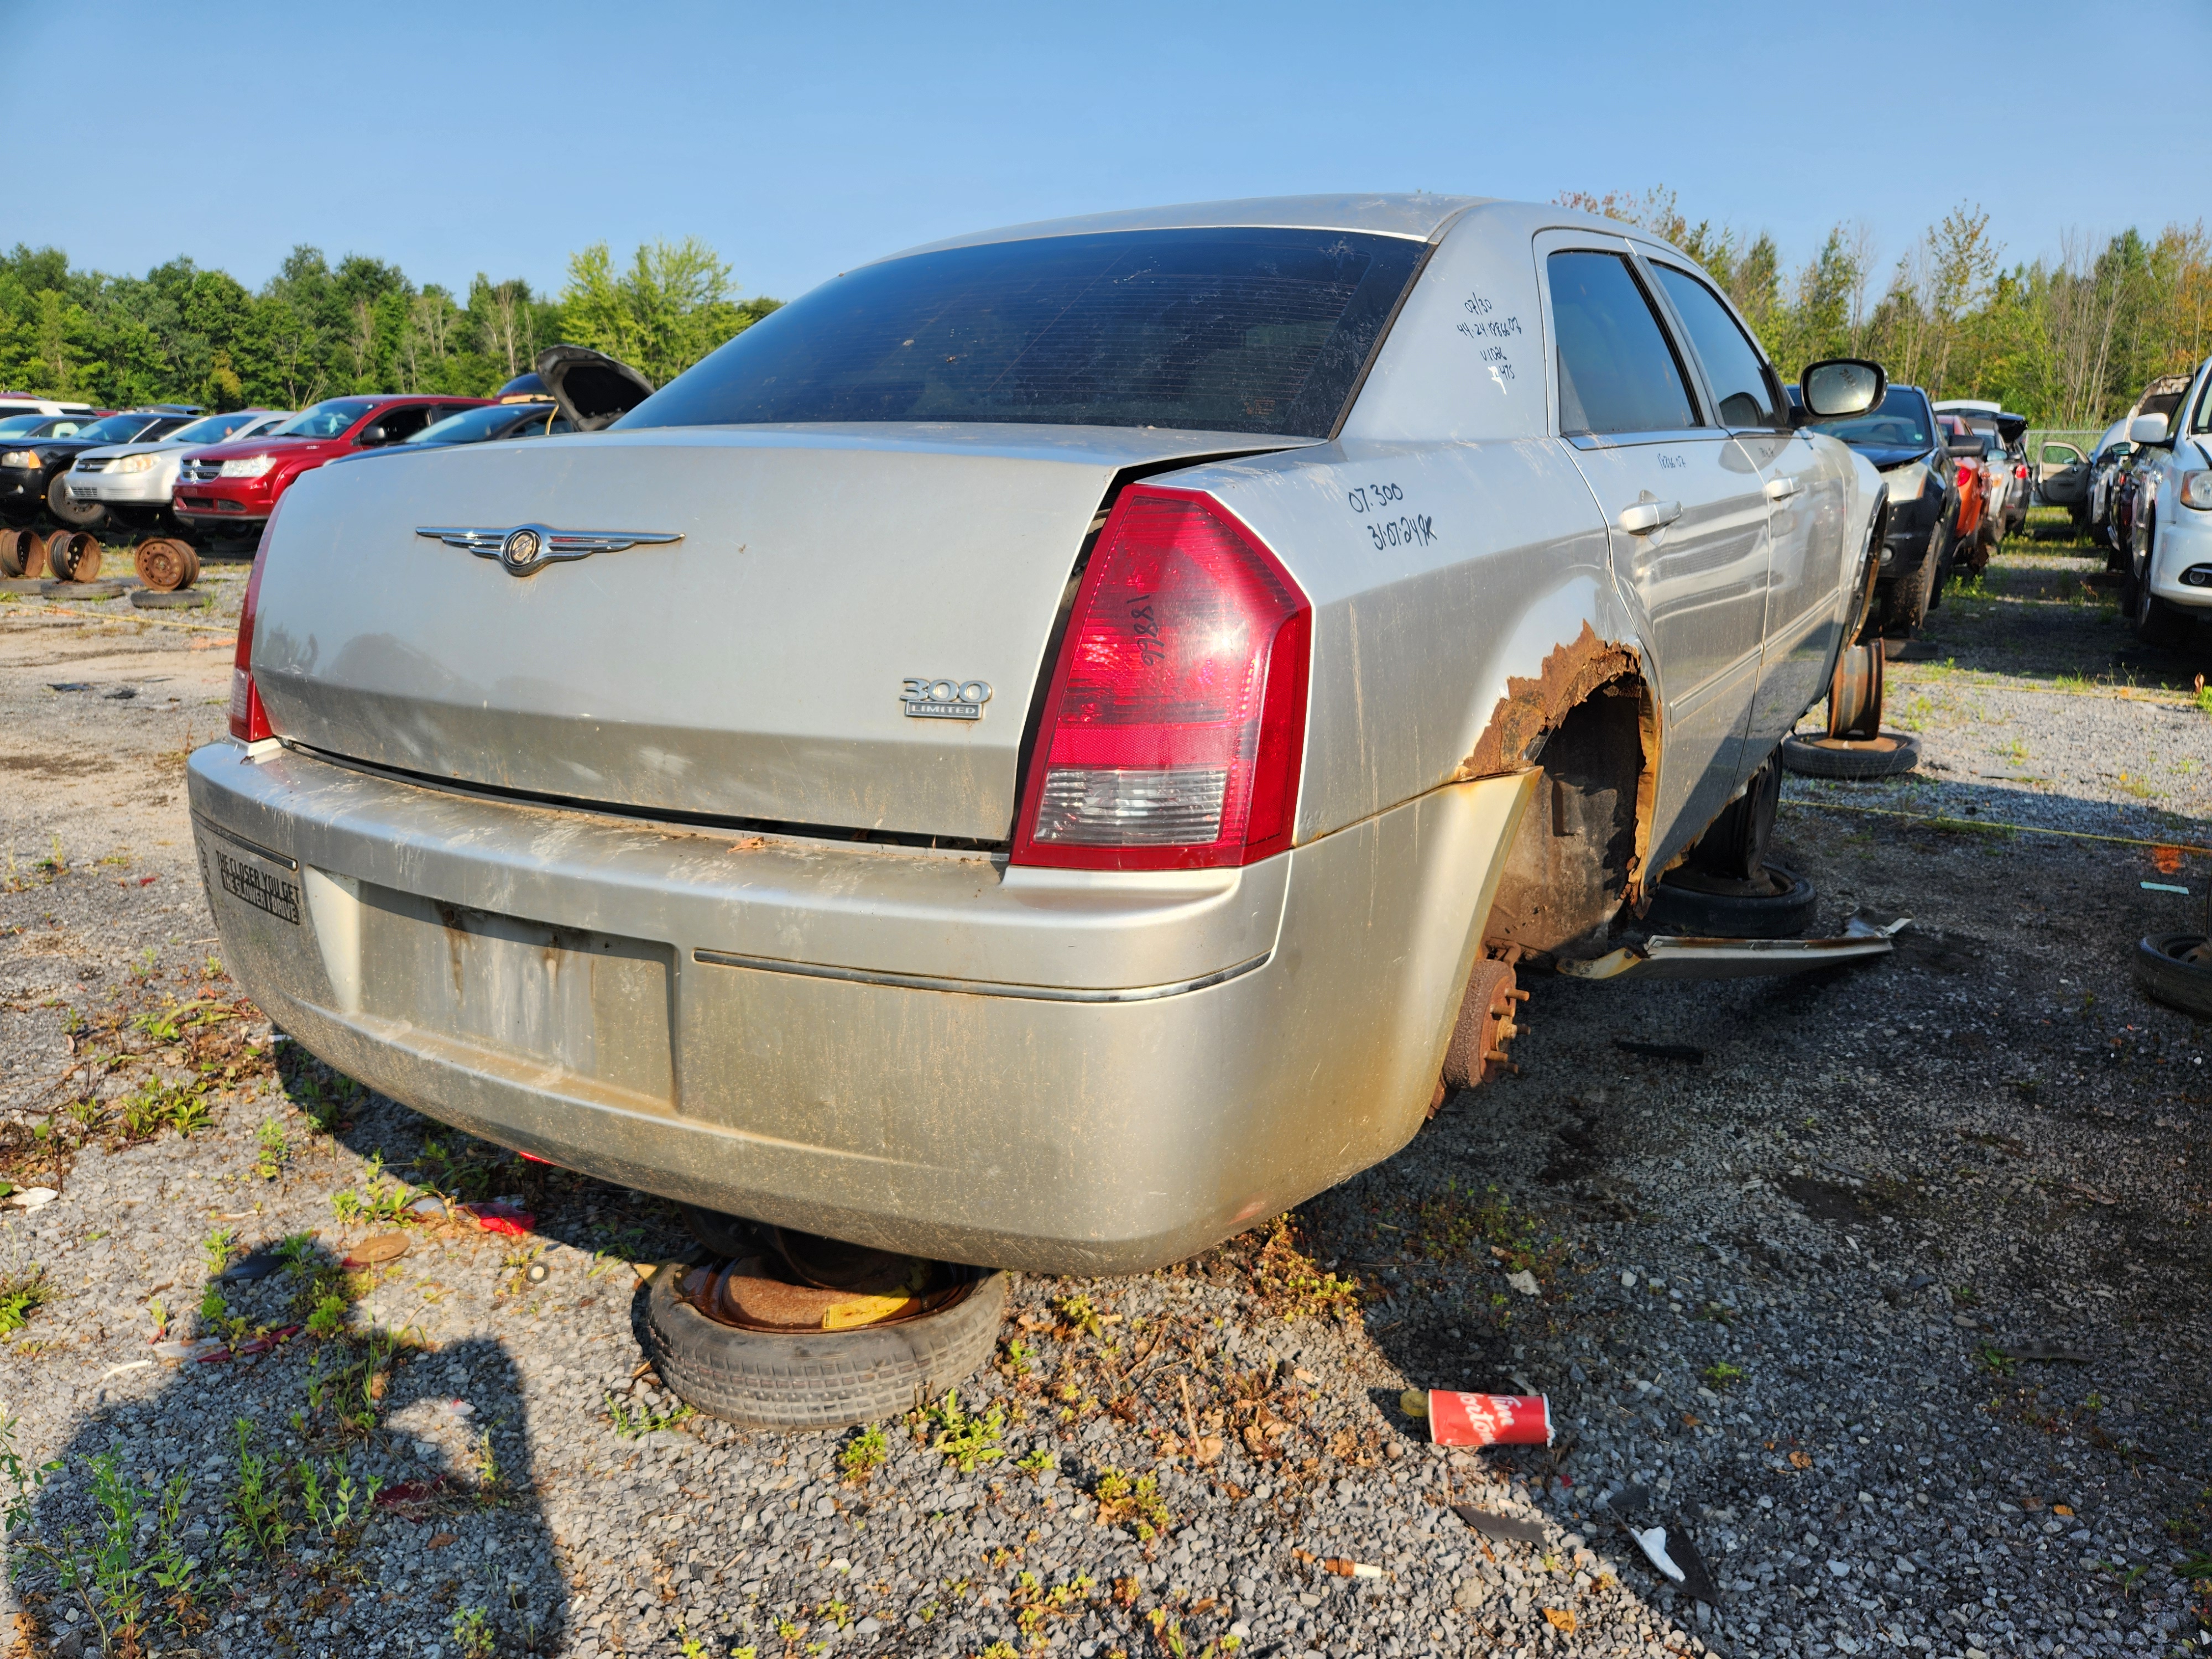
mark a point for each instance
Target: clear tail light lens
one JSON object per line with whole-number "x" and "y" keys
{"x": 249, "y": 720}
{"x": 1175, "y": 727}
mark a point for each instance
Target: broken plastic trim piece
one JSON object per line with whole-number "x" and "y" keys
{"x": 1664, "y": 957}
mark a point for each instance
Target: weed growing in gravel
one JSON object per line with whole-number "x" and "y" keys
{"x": 472, "y": 1634}
{"x": 644, "y": 1420}
{"x": 962, "y": 1439}
{"x": 136, "y": 1543}
{"x": 20, "y": 1293}
{"x": 1720, "y": 1374}
{"x": 271, "y": 1152}
{"x": 1035, "y": 1462}
{"x": 256, "y": 1510}
{"x": 1080, "y": 1317}
{"x": 1136, "y": 1503}
{"x": 1289, "y": 1280}
{"x": 863, "y": 1455}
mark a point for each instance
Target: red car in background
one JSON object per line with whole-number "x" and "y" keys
{"x": 234, "y": 487}
{"x": 1971, "y": 540}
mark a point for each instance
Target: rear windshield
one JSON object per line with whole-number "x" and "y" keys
{"x": 120, "y": 429}
{"x": 475, "y": 425}
{"x": 1224, "y": 330}
{"x": 1900, "y": 421}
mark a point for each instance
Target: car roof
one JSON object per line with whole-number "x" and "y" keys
{"x": 1418, "y": 217}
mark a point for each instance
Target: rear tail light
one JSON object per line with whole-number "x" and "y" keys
{"x": 1175, "y": 727}
{"x": 2020, "y": 472}
{"x": 249, "y": 721}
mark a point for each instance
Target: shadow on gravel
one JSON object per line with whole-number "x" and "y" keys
{"x": 232, "y": 1510}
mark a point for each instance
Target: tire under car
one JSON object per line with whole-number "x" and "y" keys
{"x": 816, "y": 1379}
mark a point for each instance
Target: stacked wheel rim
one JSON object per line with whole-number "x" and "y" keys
{"x": 165, "y": 564}
{"x": 73, "y": 555}
{"x": 23, "y": 553}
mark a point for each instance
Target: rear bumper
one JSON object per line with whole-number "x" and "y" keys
{"x": 1068, "y": 1072}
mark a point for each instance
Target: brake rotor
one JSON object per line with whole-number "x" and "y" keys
{"x": 1476, "y": 1054}
{"x": 1855, "y": 691}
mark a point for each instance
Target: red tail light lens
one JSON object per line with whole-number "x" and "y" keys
{"x": 2020, "y": 472}
{"x": 249, "y": 720}
{"x": 1175, "y": 727}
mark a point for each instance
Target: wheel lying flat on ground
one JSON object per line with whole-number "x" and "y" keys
{"x": 184, "y": 599}
{"x": 2166, "y": 969}
{"x": 1883, "y": 757}
{"x": 1784, "y": 910}
{"x": 816, "y": 1379}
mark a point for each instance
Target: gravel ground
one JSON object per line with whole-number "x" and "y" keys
{"x": 1891, "y": 1300}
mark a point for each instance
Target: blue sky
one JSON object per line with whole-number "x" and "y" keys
{"x": 798, "y": 140}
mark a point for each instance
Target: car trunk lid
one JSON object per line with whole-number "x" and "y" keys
{"x": 755, "y": 668}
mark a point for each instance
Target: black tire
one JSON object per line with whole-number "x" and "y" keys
{"x": 1905, "y": 607}
{"x": 2161, "y": 973}
{"x": 1885, "y": 757}
{"x": 1783, "y": 914}
{"x": 816, "y": 1380}
{"x": 2156, "y": 621}
{"x": 68, "y": 510}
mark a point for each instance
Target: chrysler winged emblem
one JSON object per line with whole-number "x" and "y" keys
{"x": 526, "y": 549}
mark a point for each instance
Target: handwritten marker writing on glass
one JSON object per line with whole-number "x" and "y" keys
{"x": 2164, "y": 887}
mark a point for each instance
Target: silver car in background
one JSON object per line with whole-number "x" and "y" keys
{"x": 133, "y": 481}
{"x": 2166, "y": 588}
{"x": 1032, "y": 753}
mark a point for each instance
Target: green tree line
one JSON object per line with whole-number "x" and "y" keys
{"x": 186, "y": 335}
{"x": 2069, "y": 341}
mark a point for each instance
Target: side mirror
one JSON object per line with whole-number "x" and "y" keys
{"x": 1965, "y": 449}
{"x": 2147, "y": 429}
{"x": 373, "y": 434}
{"x": 1841, "y": 386}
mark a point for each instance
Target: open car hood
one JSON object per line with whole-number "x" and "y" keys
{"x": 593, "y": 389}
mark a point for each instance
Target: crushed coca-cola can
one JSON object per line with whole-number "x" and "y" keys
{"x": 1489, "y": 1419}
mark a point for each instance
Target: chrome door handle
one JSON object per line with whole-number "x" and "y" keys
{"x": 1781, "y": 489}
{"x": 1644, "y": 517}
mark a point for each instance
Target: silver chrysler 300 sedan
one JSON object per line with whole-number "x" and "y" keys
{"x": 1038, "y": 753}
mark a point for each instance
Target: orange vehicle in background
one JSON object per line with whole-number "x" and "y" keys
{"x": 1970, "y": 548}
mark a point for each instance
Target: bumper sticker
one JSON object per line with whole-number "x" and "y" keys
{"x": 272, "y": 893}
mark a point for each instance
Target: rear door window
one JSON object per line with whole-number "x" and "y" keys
{"x": 396, "y": 425}
{"x": 1223, "y": 330}
{"x": 1742, "y": 387}
{"x": 1617, "y": 370}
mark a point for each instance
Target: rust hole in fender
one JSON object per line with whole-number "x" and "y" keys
{"x": 1590, "y": 718}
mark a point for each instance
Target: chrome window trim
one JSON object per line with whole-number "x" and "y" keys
{"x": 1636, "y": 440}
